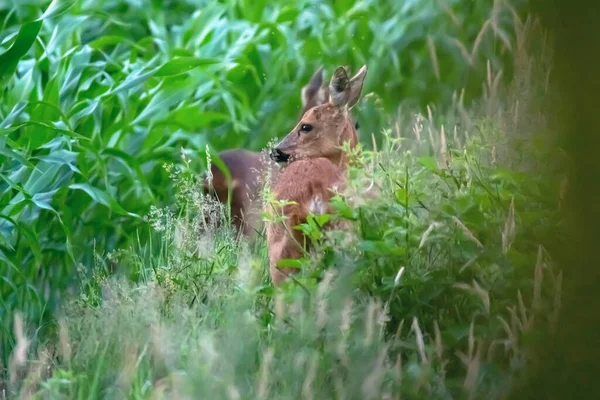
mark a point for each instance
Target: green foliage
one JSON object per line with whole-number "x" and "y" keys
{"x": 107, "y": 111}
{"x": 434, "y": 290}
{"x": 99, "y": 95}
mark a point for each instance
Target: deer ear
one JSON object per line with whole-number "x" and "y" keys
{"x": 312, "y": 88}
{"x": 356, "y": 85}
{"x": 339, "y": 88}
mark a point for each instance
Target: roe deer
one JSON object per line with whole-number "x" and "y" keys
{"x": 316, "y": 164}
{"x": 246, "y": 168}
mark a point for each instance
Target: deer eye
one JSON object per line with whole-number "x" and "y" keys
{"x": 306, "y": 128}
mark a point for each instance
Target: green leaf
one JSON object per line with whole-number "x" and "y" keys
{"x": 428, "y": 162}
{"x": 182, "y": 65}
{"x": 401, "y": 196}
{"x": 41, "y": 178}
{"x": 11, "y": 154}
{"x": 105, "y": 41}
{"x": 57, "y": 7}
{"x": 172, "y": 93}
{"x": 102, "y": 197}
{"x": 23, "y": 42}
{"x": 321, "y": 220}
{"x": 290, "y": 263}
{"x": 16, "y": 111}
{"x": 42, "y": 200}
{"x": 132, "y": 80}
{"x": 32, "y": 239}
{"x": 62, "y": 157}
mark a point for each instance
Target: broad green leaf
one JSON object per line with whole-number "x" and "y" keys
{"x": 42, "y": 200}
{"x": 428, "y": 162}
{"x": 106, "y": 41}
{"x": 101, "y": 197}
{"x": 133, "y": 80}
{"x": 321, "y": 220}
{"x": 32, "y": 239}
{"x": 401, "y": 196}
{"x": 41, "y": 178}
{"x": 11, "y": 154}
{"x": 289, "y": 263}
{"x": 16, "y": 111}
{"x": 56, "y": 8}
{"x": 45, "y": 125}
{"x": 182, "y": 65}
{"x": 61, "y": 157}
{"x": 170, "y": 94}
{"x": 192, "y": 118}
{"x": 23, "y": 42}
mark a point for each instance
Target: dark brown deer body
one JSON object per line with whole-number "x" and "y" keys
{"x": 316, "y": 165}
{"x": 248, "y": 167}
{"x": 245, "y": 168}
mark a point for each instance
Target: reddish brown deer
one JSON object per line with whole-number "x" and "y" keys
{"x": 316, "y": 165}
{"x": 247, "y": 167}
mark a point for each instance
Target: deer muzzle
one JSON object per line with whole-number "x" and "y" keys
{"x": 279, "y": 156}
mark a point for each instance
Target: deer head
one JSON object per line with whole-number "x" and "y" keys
{"x": 325, "y": 127}
{"x": 315, "y": 93}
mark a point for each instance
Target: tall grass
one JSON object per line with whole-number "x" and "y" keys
{"x": 98, "y": 95}
{"x": 434, "y": 293}
{"x": 108, "y": 109}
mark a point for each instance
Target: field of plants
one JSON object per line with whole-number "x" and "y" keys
{"x": 110, "y": 112}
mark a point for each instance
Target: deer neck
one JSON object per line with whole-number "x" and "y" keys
{"x": 341, "y": 159}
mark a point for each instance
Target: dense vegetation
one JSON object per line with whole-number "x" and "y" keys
{"x": 109, "y": 112}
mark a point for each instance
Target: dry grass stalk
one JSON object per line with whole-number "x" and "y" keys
{"x": 467, "y": 232}
{"x": 511, "y": 340}
{"x": 128, "y": 366}
{"x": 420, "y": 342}
{"x": 508, "y": 235}
{"x": 444, "y": 6}
{"x": 479, "y": 38}
{"x": 370, "y": 321}
{"x": 265, "y": 366}
{"x": 35, "y": 376}
{"x": 472, "y": 360}
{"x": 463, "y": 50}
{"x": 557, "y": 300}
{"x": 537, "y": 281}
{"x": 307, "y": 392}
{"x": 64, "y": 344}
{"x": 433, "y": 55}
{"x": 439, "y": 348}
{"x": 233, "y": 393}
{"x": 479, "y": 291}
{"x": 19, "y": 357}
{"x": 432, "y": 226}
{"x": 279, "y": 306}
{"x": 398, "y": 276}
{"x": 444, "y": 148}
{"x": 371, "y": 387}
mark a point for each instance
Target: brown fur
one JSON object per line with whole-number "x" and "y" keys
{"x": 317, "y": 163}
{"x": 303, "y": 182}
{"x": 246, "y": 168}
{"x": 330, "y": 123}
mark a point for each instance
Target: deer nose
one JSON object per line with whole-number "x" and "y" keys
{"x": 278, "y": 155}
